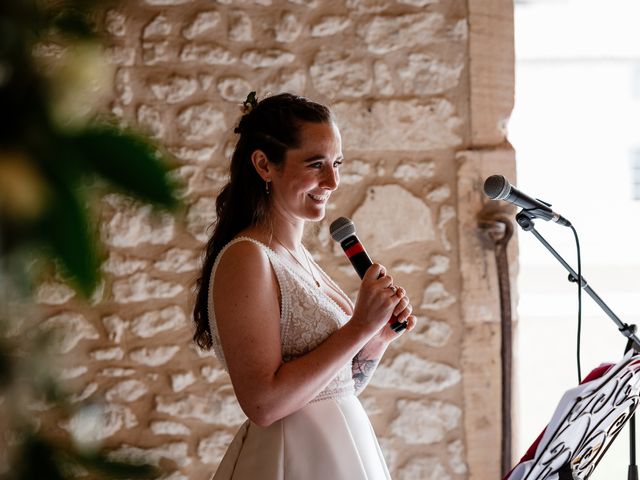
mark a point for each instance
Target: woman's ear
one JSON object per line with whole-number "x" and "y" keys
{"x": 261, "y": 164}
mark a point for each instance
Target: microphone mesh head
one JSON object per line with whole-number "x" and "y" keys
{"x": 496, "y": 187}
{"x": 342, "y": 228}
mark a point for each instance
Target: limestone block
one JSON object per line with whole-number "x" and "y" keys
{"x": 425, "y": 75}
{"x": 115, "y": 327}
{"x": 419, "y": 3}
{"x": 424, "y": 422}
{"x": 240, "y": 27}
{"x": 368, "y": 6}
{"x": 173, "y": 89}
{"x": 98, "y": 425}
{"x": 182, "y": 380}
{"x": 477, "y": 259}
{"x": 288, "y": 28}
{"x": 330, "y": 25}
{"x": 151, "y": 120}
{"x": 175, "y": 451}
{"x": 153, "y": 322}
{"x": 202, "y": 23}
{"x": 436, "y": 297}
{"x": 200, "y": 218}
{"x": 115, "y": 23}
{"x": 212, "y": 374}
{"x": 117, "y": 372}
{"x": 169, "y": 428}
{"x": 339, "y": 74}
{"x": 354, "y": 171}
{"x": 408, "y": 171}
{"x": 424, "y": 468}
{"x": 491, "y": 70}
{"x": 386, "y": 34}
{"x": 439, "y": 193}
{"x": 409, "y": 372}
{"x": 438, "y": 264}
{"x": 104, "y": 354}
{"x": 456, "y": 457}
{"x": 73, "y": 372}
{"x": 431, "y": 332}
{"x": 200, "y": 122}
{"x": 153, "y": 356}
{"x": 406, "y": 267}
{"x": 122, "y": 86}
{"x": 446, "y": 214}
{"x": 178, "y": 260}
{"x": 141, "y": 286}
{"x": 127, "y": 391}
{"x": 268, "y": 58}
{"x": 233, "y": 89}
{"x": 159, "y": 26}
{"x": 383, "y": 79}
{"x": 284, "y": 81}
{"x": 211, "y": 449}
{"x": 54, "y": 293}
{"x": 157, "y": 52}
{"x": 121, "y": 55}
{"x": 69, "y": 329}
{"x": 121, "y": 265}
{"x": 84, "y": 394}
{"x": 215, "y": 408}
{"x": 207, "y": 53}
{"x": 188, "y": 154}
{"x": 404, "y": 125}
{"x": 391, "y": 216}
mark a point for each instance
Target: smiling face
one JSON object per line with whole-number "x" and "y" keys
{"x": 302, "y": 186}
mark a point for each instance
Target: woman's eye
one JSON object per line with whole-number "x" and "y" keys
{"x": 337, "y": 163}
{"x": 316, "y": 165}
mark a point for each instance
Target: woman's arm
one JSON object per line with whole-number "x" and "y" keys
{"x": 366, "y": 361}
{"x": 248, "y": 319}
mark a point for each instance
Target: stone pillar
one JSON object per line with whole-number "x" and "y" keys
{"x": 422, "y": 90}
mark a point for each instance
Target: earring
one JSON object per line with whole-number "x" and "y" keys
{"x": 266, "y": 187}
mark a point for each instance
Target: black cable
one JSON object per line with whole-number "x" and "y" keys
{"x": 579, "y": 282}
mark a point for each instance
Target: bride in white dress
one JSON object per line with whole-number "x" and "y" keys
{"x": 297, "y": 350}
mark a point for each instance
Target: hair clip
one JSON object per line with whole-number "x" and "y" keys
{"x": 250, "y": 103}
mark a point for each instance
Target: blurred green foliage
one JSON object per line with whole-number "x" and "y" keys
{"x": 57, "y": 155}
{"x": 52, "y": 145}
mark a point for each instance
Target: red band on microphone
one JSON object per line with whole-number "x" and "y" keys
{"x": 354, "y": 250}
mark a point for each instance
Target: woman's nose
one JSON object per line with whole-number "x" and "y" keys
{"x": 331, "y": 178}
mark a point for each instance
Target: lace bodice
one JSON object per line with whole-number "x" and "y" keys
{"x": 307, "y": 317}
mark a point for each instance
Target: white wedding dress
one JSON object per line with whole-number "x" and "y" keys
{"x": 331, "y": 437}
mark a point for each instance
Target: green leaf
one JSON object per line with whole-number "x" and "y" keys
{"x": 66, "y": 230}
{"x": 128, "y": 162}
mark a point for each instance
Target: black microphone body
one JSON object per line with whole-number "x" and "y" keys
{"x": 343, "y": 231}
{"x": 497, "y": 187}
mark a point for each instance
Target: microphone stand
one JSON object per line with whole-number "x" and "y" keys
{"x": 525, "y": 220}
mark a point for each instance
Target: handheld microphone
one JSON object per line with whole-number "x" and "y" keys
{"x": 343, "y": 231}
{"x": 497, "y": 187}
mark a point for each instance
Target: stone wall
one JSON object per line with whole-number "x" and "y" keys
{"x": 422, "y": 90}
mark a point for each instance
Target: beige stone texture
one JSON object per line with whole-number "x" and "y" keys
{"x": 421, "y": 90}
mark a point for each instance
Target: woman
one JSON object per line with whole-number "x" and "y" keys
{"x": 297, "y": 350}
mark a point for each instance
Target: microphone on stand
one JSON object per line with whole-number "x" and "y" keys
{"x": 497, "y": 187}
{"x": 343, "y": 231}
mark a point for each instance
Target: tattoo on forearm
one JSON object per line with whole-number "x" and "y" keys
{"x": 362, "y": 369}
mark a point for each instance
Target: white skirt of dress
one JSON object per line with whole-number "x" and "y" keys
{"x": 328, "y": 439}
